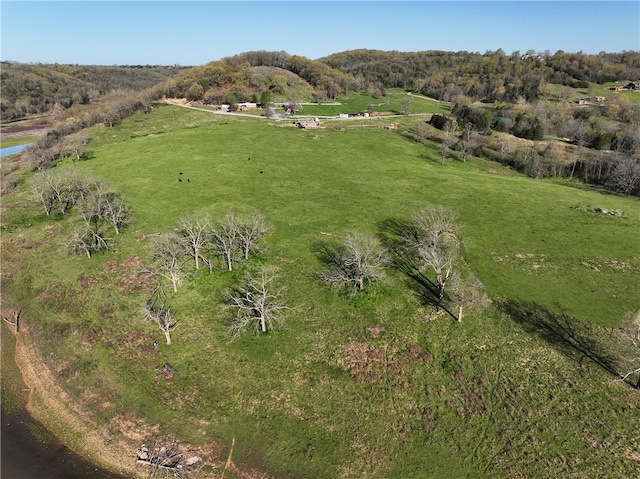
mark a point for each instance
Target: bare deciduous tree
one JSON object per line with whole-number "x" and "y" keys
{"x": 440, "y": 260}
{"x": 163, "y": 317}
{"x": 258, "y": 302}
{"x": 93, "y": 210}
{"x": 358, "y": 260}
{"x": 450, "y": 128}
{"x": 625, "y": 175}
{"x": 448, "y": 140}
{"x": 74, "y": 145}
{"x": 59, "y": 190}
{"x": 633, "y": 333}
{"x": 467, "y": 291}
{"x": 54, "y": 190}
{"x": 42, "y": 192}
{"x": 444, "y": 150}
{"x": 251, "y": 229}
{"x": 115, "y": 211}
{"x": 168, "y": 254}
{"x": 225, "y": 237}
{"x": 434, "y": 235}
{"x": 196, "y": 230}
{"x": 88, "y": 241}
{"x": 405, "y": 105}
{"x": 466, "y": 145}
{"x": 421, "y": 130}
{"x": 13, "y": 317}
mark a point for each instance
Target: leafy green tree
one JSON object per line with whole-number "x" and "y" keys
{"x": 266, "y": 98}
{"x": 279, "y": 84}
{"x": 195, "y": 92}
{"x": 232, "y": 100}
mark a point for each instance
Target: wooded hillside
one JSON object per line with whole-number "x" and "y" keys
{"x": 492, "y": 76}
{"x": 31, "y": 89}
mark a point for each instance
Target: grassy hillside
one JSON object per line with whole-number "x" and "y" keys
{"x": 381, "y": 385}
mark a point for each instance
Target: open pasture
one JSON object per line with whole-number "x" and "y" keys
{"x": 537, "y": 240}
{"x": 376, "y": 386}
{"x": 392, "y": 102}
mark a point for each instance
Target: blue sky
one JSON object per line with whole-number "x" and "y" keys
{"x": 195, "y": 33}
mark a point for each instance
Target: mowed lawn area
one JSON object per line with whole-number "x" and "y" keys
{"x": 379, "y": 385}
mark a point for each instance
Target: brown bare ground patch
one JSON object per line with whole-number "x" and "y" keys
{"x": 416, "y": 353}
{"x": 52, "y": 230}
{"x": 110, "y": 266}
{"x": 133, "y": 344}
{"x": 86, "y": 281}
{"x": 363, "y": 361}
{"x": 470, "y": 396}
{"x": 374, "y": 331}
{"x": 133, "y": 429}
{"x": 106, "y": 312}
{"x": 135, "y": 282}
{"x": 131, "y": 262}
{"x": 23, "y": 130}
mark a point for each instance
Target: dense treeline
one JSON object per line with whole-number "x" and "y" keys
{"x": 492, "y": 76}
{"x": 33, "y": 89}
{"x": 449, "y": 76}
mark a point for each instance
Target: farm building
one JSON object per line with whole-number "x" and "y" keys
{"x": 247, "y": 106}
{"x": 631, "y": 86}
{"x": 290, "y": 108}
{"x": 590, "y": 99}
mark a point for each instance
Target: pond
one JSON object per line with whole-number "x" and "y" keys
{"x": 12, "y": 150}
{"x": 29, "y": 451}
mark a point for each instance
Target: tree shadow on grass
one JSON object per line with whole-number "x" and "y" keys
{"x": 569, "y": 336}
{"x": 326, "y": 252}
{"x": 393, "y": 233}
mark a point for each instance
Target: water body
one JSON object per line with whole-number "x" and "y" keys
{"x": 31, "y": 452}
{"x": 11, "y": 150}
{"x": 27, "y": 449}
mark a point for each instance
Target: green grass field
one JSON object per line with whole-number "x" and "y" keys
{"x": 390, "y": 103}
{"x": 376, "y": 386}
